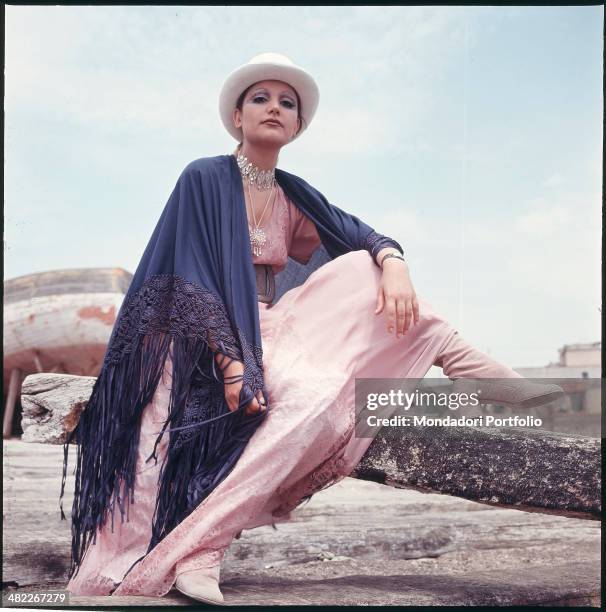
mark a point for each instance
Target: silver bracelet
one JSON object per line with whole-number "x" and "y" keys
{"x": 396, "y": 255}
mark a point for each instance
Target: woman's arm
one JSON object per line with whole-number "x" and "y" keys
{"x": 339, "y": 231}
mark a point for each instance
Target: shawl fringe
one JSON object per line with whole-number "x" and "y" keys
{"x": 168, "y": 315}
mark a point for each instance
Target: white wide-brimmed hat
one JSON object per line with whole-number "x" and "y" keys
{"x": 266, "y": 67}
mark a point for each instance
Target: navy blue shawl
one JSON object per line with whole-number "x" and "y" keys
{"x": 193, "y": 295}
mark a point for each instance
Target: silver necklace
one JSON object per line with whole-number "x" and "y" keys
{"x": 257, "y": 235}
{"x": 262, "y": 179}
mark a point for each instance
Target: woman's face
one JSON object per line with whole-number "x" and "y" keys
{"x": 268, "y": 100}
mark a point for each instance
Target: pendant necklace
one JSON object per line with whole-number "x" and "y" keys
{"x": 258, "y": 237}
{"x": 264, "y": 180}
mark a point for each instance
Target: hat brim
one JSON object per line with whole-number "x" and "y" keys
{"x": 249, "y": 74}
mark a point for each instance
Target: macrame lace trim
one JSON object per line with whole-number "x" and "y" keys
{"x": 374, "y": 242}
{"x": 170, "y": 304}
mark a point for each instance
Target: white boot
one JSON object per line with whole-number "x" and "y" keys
{"x": 468, "y": 366}
{"x": 514, "y": 393}
{"x": 201, "y": 585}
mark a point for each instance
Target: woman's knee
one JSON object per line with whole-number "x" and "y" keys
{"x": 362, "y": 256}
{"x": 360, "y": 261}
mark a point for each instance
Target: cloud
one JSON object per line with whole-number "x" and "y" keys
{"x": 559, "y": 254}
{"x": 125, "y": 68}
{"x": 544, "y": 221}
{"x": 554, "y": 180}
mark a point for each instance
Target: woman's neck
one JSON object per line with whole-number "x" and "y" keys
{"x": 264, "y": 159}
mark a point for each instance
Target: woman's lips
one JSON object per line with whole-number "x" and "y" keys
{"x": 271, "y": 122}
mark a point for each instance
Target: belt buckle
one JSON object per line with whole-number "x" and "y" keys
{"x": 266, "y": 288}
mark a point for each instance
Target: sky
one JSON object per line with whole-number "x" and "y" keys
{"x": 472, "y": 135}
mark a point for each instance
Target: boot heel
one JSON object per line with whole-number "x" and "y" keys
{"x": 201, "y": 585}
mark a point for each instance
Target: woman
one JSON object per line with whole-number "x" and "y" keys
{"x": 244, "y": 446}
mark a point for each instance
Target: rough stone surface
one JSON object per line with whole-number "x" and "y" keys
{"x": 537, "y": 471}
{"x": 52, "y": 404}
{"x": 356, "y": 543}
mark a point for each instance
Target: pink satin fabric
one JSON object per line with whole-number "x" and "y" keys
{"x": 316, "y": 339}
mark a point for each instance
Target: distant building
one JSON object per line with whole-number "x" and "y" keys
{"x": 577, "y": 361}
{"x": 581, "y": 360}
{"x": 582, "y": 354}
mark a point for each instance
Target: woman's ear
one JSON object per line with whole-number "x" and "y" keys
{"x": 237, "y": 117}
{"x": 298, "y": 126}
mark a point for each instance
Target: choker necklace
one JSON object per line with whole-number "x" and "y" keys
{"x": 261, "y": 179}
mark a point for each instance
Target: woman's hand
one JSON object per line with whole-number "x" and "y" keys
{"x": 232, "y": 390}
{"x": 397, "y": 294}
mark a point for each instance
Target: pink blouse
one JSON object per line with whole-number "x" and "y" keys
{"x": 289, "y": 233}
